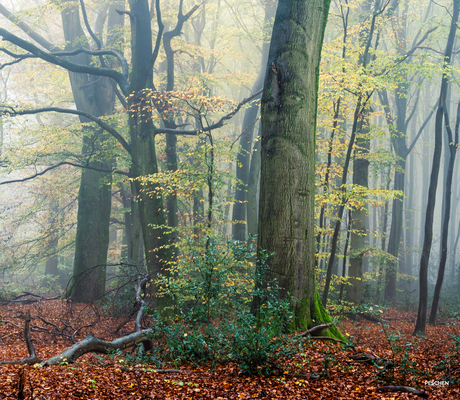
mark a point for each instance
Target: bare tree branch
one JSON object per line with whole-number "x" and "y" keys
{"x": 28, "y": 30}
{"x": 90, "y": 31}
{"x": 161, "y": 27}
{"x": 60, "y": 164}
{"x": 119, "y": 77}
{"x": 12, "y": 112}
{"x": 114, "y": 53}
{"x": 414, "y": 142}
{"x": 218, "y": 124}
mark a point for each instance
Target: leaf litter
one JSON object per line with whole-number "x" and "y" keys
{"x": 322, "y": 370}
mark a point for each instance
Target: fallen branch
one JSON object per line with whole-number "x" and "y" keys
{"x": 158, "y": 371}
{"x": 20, "y": 300}
{"x": 315, "y": 328}
{"x": 9, "y": 322}
{"x": 140, "y": 291}
{"x": 92, "y": 344}
{"x": 32, "y": 359}
{"x": 367, "y": 358}
{"x": 369, "y": 317}
{"x": 405, "y": 389}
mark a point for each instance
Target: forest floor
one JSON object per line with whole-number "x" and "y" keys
{"x": 324, "y": 370}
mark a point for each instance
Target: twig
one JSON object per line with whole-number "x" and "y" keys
{"x": 9, "y": 322}
{"x": 32, "y": 359}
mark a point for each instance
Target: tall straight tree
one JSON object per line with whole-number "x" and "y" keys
{"x": 287, "y": 187}
{"x": 453, "y": 146}
{"x": 96, "y": 96}
{"x": 420, "y": 325}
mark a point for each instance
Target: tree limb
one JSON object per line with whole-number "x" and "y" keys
{"x": 88, "y": 27}
{"x": 405, "y": 389}
{"x": 414, "y": 142}
{"x": 32, "y": 359}
{"x": 315, "y": 328}
{"x": 92, "y": 344}
{"x": 113, "y": 171}
{"x": 70, "y": 66}
{"x": 218, "y": 124}
{"x": 161, "y": 27}
{"x": 28, "y": 30}
{"x": 12, "y": 112}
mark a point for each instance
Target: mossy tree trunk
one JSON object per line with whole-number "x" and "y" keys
{"x": 287, "y": 187}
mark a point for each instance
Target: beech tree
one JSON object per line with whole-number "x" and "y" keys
{"x": 287, "y": 187}
{"x": 95, "y": 96}
{"x": 141, "y": 145}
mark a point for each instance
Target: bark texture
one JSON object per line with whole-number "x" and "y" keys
{"x": 287, "y": 189}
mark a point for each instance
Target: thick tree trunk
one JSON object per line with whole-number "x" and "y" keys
{"x": 94, "y": 95}
{"x": 144, "y": 160}
{"x": 423, "y": 301}
{"x": 287, "y": 188}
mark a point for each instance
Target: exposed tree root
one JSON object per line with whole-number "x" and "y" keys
{"x": 315, "y": 328}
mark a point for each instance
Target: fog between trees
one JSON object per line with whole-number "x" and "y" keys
{"x": 164, "y": 143}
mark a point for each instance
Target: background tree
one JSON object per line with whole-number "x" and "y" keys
{"x": 423, "y": 277}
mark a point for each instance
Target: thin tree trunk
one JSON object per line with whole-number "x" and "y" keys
{"x": 423, "y": 301}
{"x": 445, "y": 226}
{"x": 243, "y": 160}
{"x": 359, "y": 231}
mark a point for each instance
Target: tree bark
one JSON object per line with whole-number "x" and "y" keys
{"x": 143, "y": 154}
{"x": 95, "y": 96}
{"x": 359, "y": 231}
{"x": 287, "y": 188}
{"x": 452, "y": 145}
{"x": 420, "y": 325}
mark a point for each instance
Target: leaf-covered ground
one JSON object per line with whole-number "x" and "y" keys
{"x": 322, "y": 371}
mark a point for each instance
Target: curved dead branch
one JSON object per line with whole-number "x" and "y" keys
{"x": 92, "y": 344}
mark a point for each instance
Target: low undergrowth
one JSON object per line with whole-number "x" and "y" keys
{"x": 223, "y": 310}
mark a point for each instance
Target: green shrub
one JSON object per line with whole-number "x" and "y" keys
{"x": 213, "y": 288}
